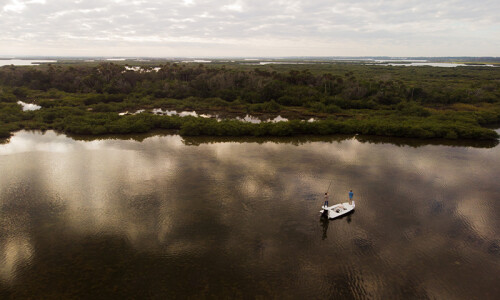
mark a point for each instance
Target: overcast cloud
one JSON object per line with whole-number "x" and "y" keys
{"x": 206, "y": 28}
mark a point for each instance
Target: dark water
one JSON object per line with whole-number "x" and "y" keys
{"x": 171, "y": 218}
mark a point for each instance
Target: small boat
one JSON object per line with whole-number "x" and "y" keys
{"x": 337, "y": 210}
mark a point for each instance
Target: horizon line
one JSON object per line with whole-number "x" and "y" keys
{"x": 7, "y": 56}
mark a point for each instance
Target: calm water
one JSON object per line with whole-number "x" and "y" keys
{"x": 164, "y": 217}
{"x": 410, "y": 63}
{"x": 24, "y": 62}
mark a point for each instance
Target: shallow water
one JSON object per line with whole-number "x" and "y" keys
{"x": 24, "y": 62}
{"x": 167, "y": 217}
{"x": 29, "y": 106}
{"x": 247, "y": 118}
{"x": 430, "y": 64}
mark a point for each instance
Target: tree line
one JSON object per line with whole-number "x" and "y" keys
{"x": 376, "y": 100}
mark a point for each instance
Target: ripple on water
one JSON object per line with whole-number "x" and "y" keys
{"x": 240, "y": 218}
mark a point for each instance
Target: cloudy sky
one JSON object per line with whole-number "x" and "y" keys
{"x": 206, "y": 28}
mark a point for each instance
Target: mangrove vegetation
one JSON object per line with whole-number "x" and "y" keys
{"x": 419, "y": 102}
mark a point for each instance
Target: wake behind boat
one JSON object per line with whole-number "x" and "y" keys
{"x": 337, "y": 210}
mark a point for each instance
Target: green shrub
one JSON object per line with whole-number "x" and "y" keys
{"x": 269, "y": 107}
{"x": 412, "y": 109}
{"x": 4, "y": 133}
{"x": 318, "y": 107}
{"x": 332, "y": 109}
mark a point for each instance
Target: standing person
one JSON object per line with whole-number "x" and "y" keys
{"x": 326, "y": 199}
{"x": 351, "y": 194}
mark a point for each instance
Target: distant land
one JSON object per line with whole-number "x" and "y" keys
{"x": 311, "y": 59}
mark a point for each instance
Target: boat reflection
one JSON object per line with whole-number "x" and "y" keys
{"x": 325, "y": 222}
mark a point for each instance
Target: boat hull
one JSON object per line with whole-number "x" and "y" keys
{"x": 338, "y": 210}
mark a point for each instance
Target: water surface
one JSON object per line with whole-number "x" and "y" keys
{"x": 165, "y": 217}
{"x": 24, "y": 62}
{"x": 219, "y": 117}
{"x": 29, "y": 106}
{"x": 431, "y": 64}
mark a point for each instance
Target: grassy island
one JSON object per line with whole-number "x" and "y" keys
{"x": 418, "y": 102}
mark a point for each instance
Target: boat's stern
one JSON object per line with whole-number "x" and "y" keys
{"x": 324, "y": 211}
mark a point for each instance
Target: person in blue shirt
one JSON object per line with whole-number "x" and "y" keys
{"x": 326, "y": 199}
{"x": 351, "y": 194}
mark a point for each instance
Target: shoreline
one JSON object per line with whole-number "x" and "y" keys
{"x": 296, "y": 139}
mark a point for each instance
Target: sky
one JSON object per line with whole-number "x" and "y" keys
{"x": 244, "y": 28}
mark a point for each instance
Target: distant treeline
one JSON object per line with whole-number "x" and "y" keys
{"x": 292, "y": 88}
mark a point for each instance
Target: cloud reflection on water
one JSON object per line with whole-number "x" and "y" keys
{"x": 421, "y": 210}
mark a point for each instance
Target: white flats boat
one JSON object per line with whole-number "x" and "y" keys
{"x": 337, "y": 210}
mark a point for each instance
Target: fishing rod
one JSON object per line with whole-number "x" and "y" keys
{"x": 329, "y": 186}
